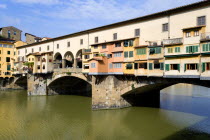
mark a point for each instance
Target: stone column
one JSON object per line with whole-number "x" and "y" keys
{"x": 75, "y": 63}
{"x": 63, "y": 63}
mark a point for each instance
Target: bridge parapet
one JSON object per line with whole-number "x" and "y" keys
{"x": 73, "y": 70}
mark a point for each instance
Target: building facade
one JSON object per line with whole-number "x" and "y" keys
{"x": 11, "y": 32}
{"x": 172, "y": 43}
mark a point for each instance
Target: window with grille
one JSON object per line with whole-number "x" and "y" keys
{"x": 81, "y": 41}
{"x": 165, "y": 27}
{"x": 115, "y": 36}
{"x": 137, "y": 32}
{"x": 93, "y": 65}
{"x": 201, "y": 20}
{"x": 68, "y": 44}
{"x": 96, "y": 39}
{"x": 196, "y": 33}
{"x": 188, "y": 34}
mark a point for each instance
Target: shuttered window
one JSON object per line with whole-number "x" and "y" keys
{"x": 129, "y": 66}
{"x": 126, "y": 43}
{"x": 130, "y": 53}
{"x": 177, "y": 49}
{"x": 125, "y": 54}
{"x": 161, "y": 66}
{"x": 150, "y": 66}
{"x": 155, "y": 50}
{"x": 206, "y": 47}
{"x": 141, "y": 51}
{"x": 167, "y": 67}
{"x": 170, "y": 50}
{"x": 192, "y": 49}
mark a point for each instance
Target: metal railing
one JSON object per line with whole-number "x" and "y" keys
{"x": 172, "y": 41}
{"x": 205, "y": 36}
{"x": 75, "y": 70}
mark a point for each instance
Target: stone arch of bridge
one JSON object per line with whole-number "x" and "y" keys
{"x": 147, "y": 93}
{"x": 74, "y": 84}
{"x": 69, "y": 59}
{"x": 57, "y": 60}
{"x": 21, "y": 81}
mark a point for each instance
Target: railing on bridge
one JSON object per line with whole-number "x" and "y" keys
{"x": 74, "y": 70}
{"x": 173, "y": 41}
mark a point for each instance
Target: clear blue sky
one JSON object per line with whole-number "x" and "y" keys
{"x": 52, "y": 18}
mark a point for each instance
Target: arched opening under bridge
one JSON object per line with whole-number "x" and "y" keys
{"x": 70, "y": 85}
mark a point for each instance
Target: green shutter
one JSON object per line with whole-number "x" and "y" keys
{"x": 130, "y": 53}
{"x": 150, "y": 66}
{"x": 178, "y": 65}
{"x": 125, "y": 54}
{"x": 203, "y": 67}
{"x": 185, "y": 67}
{"x": 178, "y": 49}
{"x": 130, "y": 42}
{"x": 204, "y": 47}
{"x": 209, "y": 46}
{"x": 8, "y": 67}
{"x": 161, "y": 66}
{"x": 187, "y": 49}
{"x": 196, "y": 48}
{"x": 167, "y": 67}
{"x": 198, "y": 66}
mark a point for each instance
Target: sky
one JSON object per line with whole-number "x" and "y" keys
{"x": 53, "y": 18}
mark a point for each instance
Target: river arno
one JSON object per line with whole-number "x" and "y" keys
{"x": 184, "y": 114}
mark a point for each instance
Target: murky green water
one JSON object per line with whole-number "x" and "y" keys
{"x": 184, "y": 114}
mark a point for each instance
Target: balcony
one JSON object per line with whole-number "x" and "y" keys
{"x": 205, "y": 36}
{"x": 173, "y": 41}
{"x": 86, "y": 51}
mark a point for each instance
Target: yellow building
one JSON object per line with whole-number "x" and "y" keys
{"x": 6, "y": 56}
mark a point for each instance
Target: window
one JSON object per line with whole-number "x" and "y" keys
{"x": 141, "y": 51}
{"x": 205, "y": 66}
{"x": 5, "y": 45}
{"x": 177, "y": 49}
{"x": 9, "y": 34}
{"x": 0, "y": 51}
{"x": 196, "y": 33}
{"x": 86, "y": 56}
{"x": 165, "y": 27}
{"x": 25, "y": 50}
{"x": 206, "y": 47}
{"x": 48, "y": 47}
{"x": 201, "y": 20}
{"x": 157, "y": 66}
{"x": 39, "y": 58}
{"x": 0, "y": 65}
{"x": 115, "y": 36}
{"x": 43, "y": 67}
{"x": 192, "y": 49}
{"x": 170, "y": 50}
{"x": 40, "y": 49}
{"x": 130, "y": 53}
{"x": 18, "y": 52}
{"x": 126, "y": 54}
{"x": 129, "y": 66}
{"x": 32, "y": 50}
{"x": 96, "y": 39}
{"x": 57, "y": 46}
{"x": 110, "y": 65}
{"x": 38, "y": 67}
{"x": 126, "y": 43}
{"x": 188, "y": 34}
{"x": 175, "y": 66}
{"x": 8, "y": 52}
{"x": 8, "y": 67}
{"x": 15, "y": 33}
{"x": 7, "y": 59}
{"x": 86, "y": 66}
{"x": 50, "y": 60}
{"x": 29, "y": 59}
{"x": 191, "y": 66}
{"x": 137, "y": 32}
{"x": 68, "y": 44}
{"x": 119, "y": 54}
{"x": 104, "y": 46}
{"x": 93, "y": 65}
{"x": 155, "y": 50}
{"x": 118, "y": 44}
{"x": 118, "y": 65}
{"x": 143, "y": 65}
{"x": 81, "y": 41}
